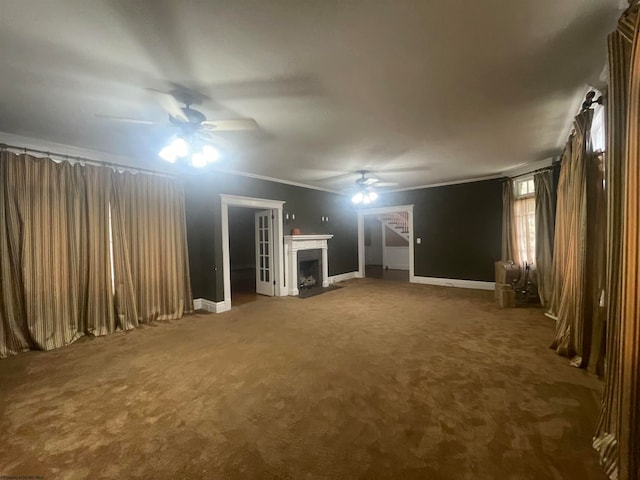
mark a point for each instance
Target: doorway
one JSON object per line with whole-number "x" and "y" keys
{"x": 250, "y": 254}
{"x": 258, "y": 252}
{"x": 385, "y": 246}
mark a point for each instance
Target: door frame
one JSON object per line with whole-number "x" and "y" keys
{"x": 380, "y": 211}
{"x": 278, "y": 239}
{"x": 270, "y": 283}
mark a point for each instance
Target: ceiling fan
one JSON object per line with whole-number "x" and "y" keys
{"x": 194, "y": 130}
{"x": 365, "y": 188}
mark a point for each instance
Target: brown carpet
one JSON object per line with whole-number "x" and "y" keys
{"x": 375, "y": 380}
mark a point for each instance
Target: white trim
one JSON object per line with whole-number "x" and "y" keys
{"x": 518, "y": 170}
{"x": 292, "y": 245}
{"x": 278, "y": 239}
{"x": 304, "y": 238}
{"x": 278, "y": 180}
{"x": 454, "y": 282}
{"x": 250, "y": 202}
{"x": 381, "y": 211}
{"x": 444, "y": 184}
{"x": 342, "y": 277}
{"x": 208, "y": 305}
{"x": 547, "y": 314}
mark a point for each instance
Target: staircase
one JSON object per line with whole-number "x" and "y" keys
{"x": 398, "y": 222}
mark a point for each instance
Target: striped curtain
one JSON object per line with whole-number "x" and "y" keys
{"x": 509, "y": 241}
{"x": 560, "y": 237}
{"x": 150, "y": 249}
{"x": 573, "y": 327}
{"x": 54, "y": 253}
{"x": 617, "y": 436}
{"x": 545, "y": 221}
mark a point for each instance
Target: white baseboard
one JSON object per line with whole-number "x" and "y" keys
{"x": 342, "y": 277}
{"x": 391, "y": 266}
{"x": 209, "y": 306}
{"x": 454, "y": 282}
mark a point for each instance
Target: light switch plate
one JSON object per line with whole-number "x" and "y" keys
{"x": 418, "y": 240}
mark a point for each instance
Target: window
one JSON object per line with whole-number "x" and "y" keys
{"x": 598, "y": 132}
{"x": 524, "y": 211}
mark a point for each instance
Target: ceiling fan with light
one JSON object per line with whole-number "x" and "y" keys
{"x": 196, "y": 139}
{"x": 365, "y": 189}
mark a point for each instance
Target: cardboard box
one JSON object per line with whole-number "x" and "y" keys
{"x": 506, "y": 298}
{"x": 500, "y": 287}
{"x": 506, "y": 272}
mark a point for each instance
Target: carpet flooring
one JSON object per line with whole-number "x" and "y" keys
{"x": 376, "y": 380}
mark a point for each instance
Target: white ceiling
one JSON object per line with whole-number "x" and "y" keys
{"x": 439, "y": 90}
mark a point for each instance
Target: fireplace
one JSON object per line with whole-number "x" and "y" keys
{"x": 310, "y": 269}
{"x": 306, "y": 264}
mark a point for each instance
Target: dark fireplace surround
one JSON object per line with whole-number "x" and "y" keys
{"x": 309, "y": 269}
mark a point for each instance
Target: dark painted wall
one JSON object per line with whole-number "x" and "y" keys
{"x": 460, "y": 227}
{"x": 204, "y": 231}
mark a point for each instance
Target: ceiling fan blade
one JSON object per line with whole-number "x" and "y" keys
{"x": 169, "y": 103}
{"x": 123, "y": 119}
{"x": 217, "y": 140}
{"x": 230, "y": 125}
{"x": 370, "y": 181}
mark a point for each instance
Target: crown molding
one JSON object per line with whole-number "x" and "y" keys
{"x": 129, "y": 162}
{"x": 444, "y": 184}
{"x": 279, "y": 180}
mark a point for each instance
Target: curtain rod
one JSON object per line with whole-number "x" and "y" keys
{"x": 89, "y": 161}
{"x": 532, "y": 172}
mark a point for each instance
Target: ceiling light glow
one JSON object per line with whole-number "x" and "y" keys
{"x": 365, "y": 197}
{"x": 210, "y": 154}
{"x": 180, "y": 147}
{"x": 198, "y": 160}
{"x": 168, "y": 154}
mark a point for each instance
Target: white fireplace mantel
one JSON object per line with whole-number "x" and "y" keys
{"x": 293, "y": 243}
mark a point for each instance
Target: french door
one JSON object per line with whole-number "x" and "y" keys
{"x": 265, "y": 280}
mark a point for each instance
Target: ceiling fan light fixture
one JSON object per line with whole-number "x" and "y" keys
{"x": 180, "y": 147}
{"x": 198, "y": 160}
{"x": 210, "y": 154}
{"x": 357, "y": 198}
{"x": 168, "y": 154}
{"x": 365, "y": 197}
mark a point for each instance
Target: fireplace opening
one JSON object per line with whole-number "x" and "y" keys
{"x": 309, "y": 269}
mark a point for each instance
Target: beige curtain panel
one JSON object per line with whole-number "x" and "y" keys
{"x": 151, "y": 269}
{"x": 561, "y": 234}
{"x": 544, "y": 229}
{"x": 54, "y": 253}
{"x": 573, "y": 327}
{"x": 596, "y": 263}
{"x": 628, "y": 349}
{"x": 617, "y": 437}
{"x": 619, "y": 44}
{"x": 508, "y": 230}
